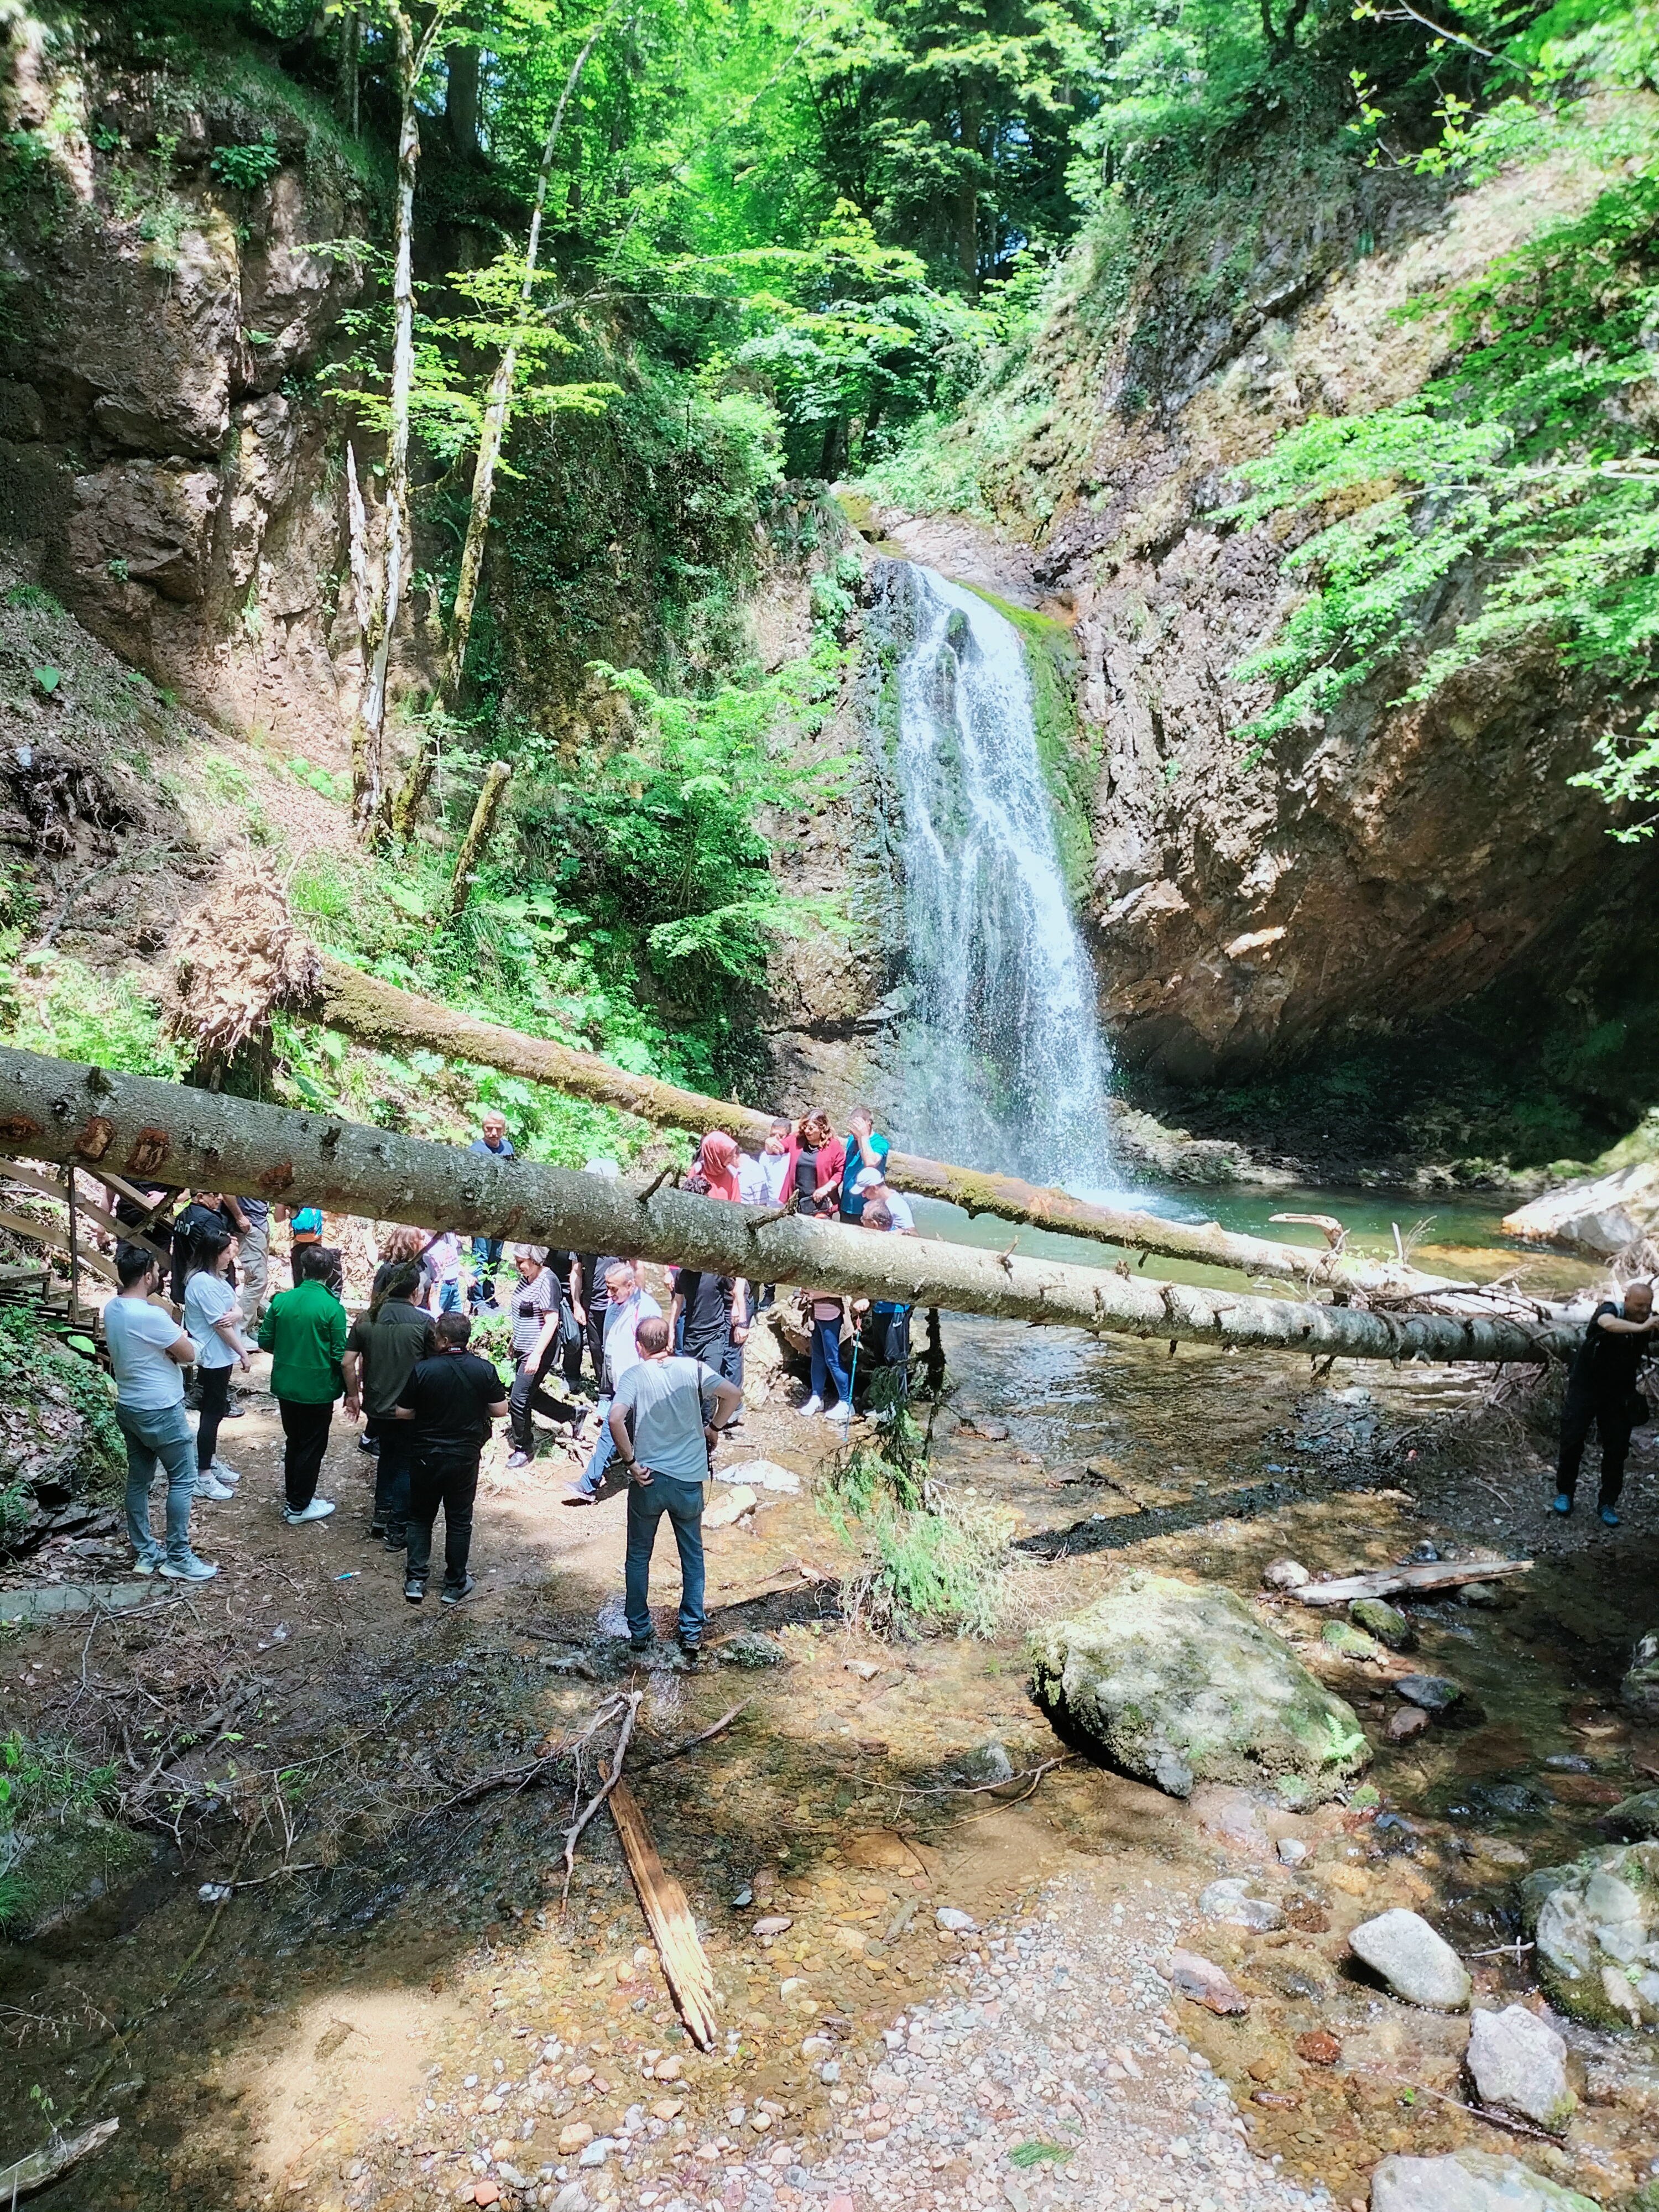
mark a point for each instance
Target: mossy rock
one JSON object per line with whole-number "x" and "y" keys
{"x": 58, "y": 1438}
{"x": 1176, "y": 1683}
{"x": 1636, "y": 1819}
{"x": 1597, "y": 1927}
{"x": 1385, "y": 1622}
{"x": 1348, "y": 1643}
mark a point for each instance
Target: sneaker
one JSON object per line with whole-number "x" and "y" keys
{"x": 208, "y": 1485}
{"x": 395, "y": 1539}
{"x": 518, "y": 1459}
{"x": 234, "y": 1412}
{"x": 190, "y": 1569}
{"x": 448, "y": 1597}
{"x": 148, "y": 1563}
{"x": 318, "y": 1509}
{"x": 693, "y": 1654}
{"x": 841, "y": 1414}
{"x": 232, "y": 1474}
{"x": 415, "y": 1588}
{"x": 640, "y": 1643}
{"x": 1563, "y": 1503}
{"x": 377, "y": 1527}
{"x": 577, "y": 1496}
{"x": 1609, "y": 1518}
{"x": 814, "y": 1405}
{"x": 369, "y": 1444}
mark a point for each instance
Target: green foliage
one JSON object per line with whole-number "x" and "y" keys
{"x": 245, "y": 168}
{"x": 1526, "y": 456}
{"x": 34, "y": 1365}
{"x": 924, "y": 1570}
{"x": 105, "y": 1020}
{"x": 52, "y": 1836}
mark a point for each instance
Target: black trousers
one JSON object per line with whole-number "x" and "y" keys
{"x": 214, "y": 1383}
{"x": 449, "y": 1478}
{"x": 397, "y": 1441}
{"x": 527, "y": 1398}
{"x": 596, "y": 1339}
{"x": 306, "y": 1431}
{"x": 716, "y": 1349}
{"x": 1610, "y": 1417}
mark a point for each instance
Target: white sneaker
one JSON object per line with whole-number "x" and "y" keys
{"x": 148, "y": 1563}
{"x": 190, "y": 1569}
{"x": 814, "y": 1405}
{"x": 318, "y": 1509}
{"x": 225, "y": 1473}
{"x": 839, "y": 1414}
{"x": 208, "y": 1485}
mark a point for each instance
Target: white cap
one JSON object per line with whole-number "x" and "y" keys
{"x": 867, "y": 1178}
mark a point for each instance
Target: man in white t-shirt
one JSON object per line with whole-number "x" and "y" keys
{"x": 630, "y": 1303}
{"x": 872, "y": 1187}
{"x": 149, "y": 1352}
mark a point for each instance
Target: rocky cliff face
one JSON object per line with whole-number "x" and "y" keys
{"x": 1392, "y": 861}
{"x": 162, "y": 466}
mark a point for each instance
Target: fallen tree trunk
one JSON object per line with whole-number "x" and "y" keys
{"x": 55, "y": 1109}
{"x": 384, "y": 1018}
{"x": 1388, "y": 1582}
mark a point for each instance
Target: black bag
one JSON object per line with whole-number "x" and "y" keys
{"x": 1637, "y": 1411}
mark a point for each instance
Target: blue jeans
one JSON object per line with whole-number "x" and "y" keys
{"x": 826, "y": 1361}
{"x": 600, "y": 1457}
{"x": 449, "y": 1295}
{"x": 486, "y": 1258}
{"x": 158, "y": 1433}
{"x": 683, "y": 1503}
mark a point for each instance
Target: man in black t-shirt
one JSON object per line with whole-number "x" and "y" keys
{"x": 1601, "y": 1391}
{"x": 451, "y": 1398}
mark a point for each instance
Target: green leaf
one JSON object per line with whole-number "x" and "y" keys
{"x": 48, "y": 678}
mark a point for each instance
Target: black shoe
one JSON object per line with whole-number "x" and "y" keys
{"x": 377, "y": 1527}
{"x": 415, "y": 1588}
{"x": 691, "y": 1652}
{"x": 641, "y": 1642}
{"x": 395, "y": 1539}
{"x": 233, "y": 1413}
{"x": 369, "y": 1444}
{"x": 447, "y": 1595}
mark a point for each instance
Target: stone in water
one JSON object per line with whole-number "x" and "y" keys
{"x": 1518, "y": 2063}
{"x": 1416, "y": 1964}
{"x": 1285, "y": 1575}
{"x": 1433, "y": 1692}
{"x": 1469, "y": 2181}
{"x": 1241, "y": 1903}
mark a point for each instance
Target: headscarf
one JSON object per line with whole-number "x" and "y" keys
{"x": 717, "y": 1158}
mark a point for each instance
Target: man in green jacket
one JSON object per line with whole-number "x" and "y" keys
{"x": 304, "y": 1330}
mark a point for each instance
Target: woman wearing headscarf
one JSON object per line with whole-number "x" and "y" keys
{"x": 717, "y": 1163}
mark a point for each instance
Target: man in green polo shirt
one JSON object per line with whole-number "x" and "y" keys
{"x": 304, "y": 1330}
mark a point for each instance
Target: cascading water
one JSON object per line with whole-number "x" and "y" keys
{"x": 1001, "y": 1061}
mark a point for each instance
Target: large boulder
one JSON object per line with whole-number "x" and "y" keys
{"x": 1177, "y": 1682}
{"x": 1596, "y": 1926}
{"x": 1640, "y": 1687}
{"x": 1518, "y": 2062}
{"x": 1601, "y": 1219}
{"x": 58, "y": 1438}
{"x": 1469, "y": 2181}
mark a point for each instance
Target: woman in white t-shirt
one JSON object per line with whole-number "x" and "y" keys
{"x": 148, "y": 1353}
{"x": 210, "y": 1317}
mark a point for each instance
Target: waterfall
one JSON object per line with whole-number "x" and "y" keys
{"x": 1001, "y": 1063}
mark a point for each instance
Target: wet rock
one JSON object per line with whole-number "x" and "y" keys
{"x": 1206, "y": 1984}
{"x": 1469, "y": 2181}
{"x": 1406, "y": 1724}
{"x": 1175, "y": 1683}
{"x": 1233, "y": 1815}
{"x": 1292, "y": 1850}
{"x": 1518, "y": 2063}
{"x": 752, "y": 1648}
{"x": 1596, "y": 1926}
{"x": 1284, "y": 1575}
{"x": 1386, "y": 1622}
{"x": 1241, "y": 1902}
{"x": 1481, "y": 1594}
{"x": 1433, "y": 1692}
{"x": 1636, "y": 1819}
{"x": 1640, "y": 1688}
{"x": 989, "y": 1762}
{"x": 1415, "y": 1962}
{"x": 1348, "y": 1642}
{"x": 1319, "y": 2047}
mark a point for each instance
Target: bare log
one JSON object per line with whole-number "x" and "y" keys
{"x": 58, "y": 1111}
{"x": 25, "y": 2175}
{"x": 387, "y": 1019}
{"x": 1429, "y": 1575}
{"x": 684, "y": 1962}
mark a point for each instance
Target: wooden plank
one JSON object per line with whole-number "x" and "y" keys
{"x": 1431, "y": 1575}
{"x": 123, "y": 1233}
{"x": 41, "y": 1232}
{"x": 674, "y": 1932}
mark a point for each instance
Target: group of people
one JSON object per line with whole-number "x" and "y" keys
{"x": 192, "y": 1302}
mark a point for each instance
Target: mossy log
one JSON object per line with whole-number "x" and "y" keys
{"x": 384, "y": 1018}
{"x": 54, "y": 1110}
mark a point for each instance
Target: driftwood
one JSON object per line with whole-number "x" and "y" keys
{"x": 55, "y": 1109}
{"x": 1431, "y": 1575}
{"x": 684, "y": 1963}
{"x": 628, "y": 1706}
{"x": 41, "y": 2167}
{"x": 384, "y": 1018}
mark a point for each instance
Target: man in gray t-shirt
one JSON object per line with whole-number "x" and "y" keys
{"x": 665, "y": 1417}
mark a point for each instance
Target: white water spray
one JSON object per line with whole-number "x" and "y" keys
{"x": 1002, "y": 1064}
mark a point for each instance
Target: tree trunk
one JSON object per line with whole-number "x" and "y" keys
{"x": 489, "y": 806}
{"x": 345, "y": 76}
{"x": 493, "y": 435}
{"x": 369, "y": 743}
{"x": 461, "y": 101}
{"x": 966, "y": 198}
{"x": 52, "y": 1110}
{"x": 384, "y": 1018}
